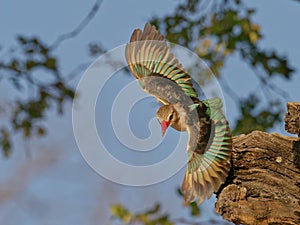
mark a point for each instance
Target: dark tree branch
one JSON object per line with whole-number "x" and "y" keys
{"x": 267, "y": 83}
{"x": 79, "y": 27}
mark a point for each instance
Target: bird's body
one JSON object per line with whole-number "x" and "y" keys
{"x": 209, "y": 145}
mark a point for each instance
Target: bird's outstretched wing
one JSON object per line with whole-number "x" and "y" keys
{"x": 209, "y": 153}
{"x": 209, "y": 146}
{"x": 148, "y": 54}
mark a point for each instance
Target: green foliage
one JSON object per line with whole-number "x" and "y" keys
{"x": 224, "y": 29}
{"x": 216, "y": 33}
{"x": 253, "y": 118}
{"x": 155, "y": 216}
{"x": 30, "y": 60}
{"x": 96, "y": 49}
{"x": 193, "y": 207}
{"x": 5, "y": 141}
{"x": 149, "y": 217}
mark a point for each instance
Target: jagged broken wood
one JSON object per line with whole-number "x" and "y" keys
{"x": 264, "y": 184}
{"x": 292, "y": 118}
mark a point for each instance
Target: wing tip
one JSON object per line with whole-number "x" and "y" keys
{"x": 152, "y": 52}
{"x": 149, "y": 32}
{"x": 200, "y": 185}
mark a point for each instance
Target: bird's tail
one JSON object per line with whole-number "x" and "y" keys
{"x": 206, "y": 172}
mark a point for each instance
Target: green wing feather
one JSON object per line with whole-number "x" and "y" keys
{"x": 148, "y": 54}
{"x": 206, "y": 172}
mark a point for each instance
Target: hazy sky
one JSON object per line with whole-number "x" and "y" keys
{"x": 56, "y": 185}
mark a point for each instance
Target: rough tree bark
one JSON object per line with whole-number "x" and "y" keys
{"x": 264, "y": 184}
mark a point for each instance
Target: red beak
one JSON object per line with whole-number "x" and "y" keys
{"x": 164, "y": 126}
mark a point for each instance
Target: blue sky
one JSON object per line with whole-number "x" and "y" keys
{"x": 56, "y": 186}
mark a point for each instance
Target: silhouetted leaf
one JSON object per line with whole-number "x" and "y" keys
{"x": 253, "y": 117}
{"x": 5, "y": 142}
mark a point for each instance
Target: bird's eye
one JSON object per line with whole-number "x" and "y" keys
{"x": 171, "y": 117}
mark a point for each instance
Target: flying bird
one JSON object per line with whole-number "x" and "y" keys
{"x": 209, "y": 145}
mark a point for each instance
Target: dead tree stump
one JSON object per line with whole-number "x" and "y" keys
{"x": 264, "y": 184}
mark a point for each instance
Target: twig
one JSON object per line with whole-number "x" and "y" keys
{"x": 79, "y": 27}
{"x": 72, "y": 75}
{"x": 185, "y": 221}
{"x": 230, "y": 91}
{"x": 271, "y": 86}
{"x": 189, "y": 222}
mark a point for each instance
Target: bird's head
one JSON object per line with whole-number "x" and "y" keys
{"x": 168, "y": 116}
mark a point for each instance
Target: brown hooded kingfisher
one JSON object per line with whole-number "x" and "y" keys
{"x": 210, "y": 143}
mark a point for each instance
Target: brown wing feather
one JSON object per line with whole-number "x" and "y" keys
{"x": 148, "y": 54}
{"x": 209, "y": 152}
{"x": 209, "y": 146}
